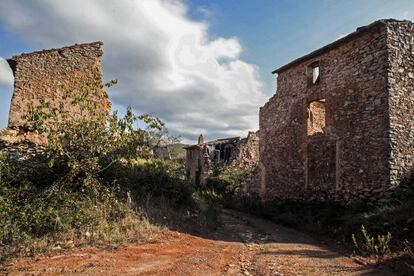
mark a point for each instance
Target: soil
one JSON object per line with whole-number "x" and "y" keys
{"x": 242, "y": 245}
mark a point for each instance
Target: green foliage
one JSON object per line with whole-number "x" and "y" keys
{"x": 111, "y": 83}
{"x": 155, "y": 178}
{"x": 89, "y": 147}
{"x": 38, "y": 115}
{"x": 178, "y": 153}
{"x": 371, "y": 246}
{"x": 225, "y": 182}
{"x": 99, "y": 172}
{"x": 30, "y": 213}
{"x": 88, "y": 144}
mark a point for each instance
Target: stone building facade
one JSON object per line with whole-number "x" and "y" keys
{"x": 341, "y": 123}
{"x": 202, "y": 157}
{"x": 50, "y": 75}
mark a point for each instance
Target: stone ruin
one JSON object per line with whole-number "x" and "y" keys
{"x": 203, "y": 156}
{"x": 49, "y": 75}
{"x": 341, "y": 124}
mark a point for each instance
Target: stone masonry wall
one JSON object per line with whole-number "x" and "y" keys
{"x": 50, "y": 74}
{"x": 348, "y": 160}
{"x": 401, "y": 100}
{"x": 247, "y": 152}
{"x": 197, "y": 164}
{"x": 201, "y": 158}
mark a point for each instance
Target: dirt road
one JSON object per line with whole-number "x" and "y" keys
{"x": 243, "y": 245}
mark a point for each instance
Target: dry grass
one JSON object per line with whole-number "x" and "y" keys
{"x": 104, "y": 233}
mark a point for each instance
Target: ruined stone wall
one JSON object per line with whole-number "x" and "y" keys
{"x": 246, "y": 153}
{"x": 197, "y": 164}
{"x": 24, "y": 152}
{"x": 50, "y": 74}
{"x": 401, "y": 100}
{"x": 192, "y": 163}
{"x": 201, "y": 158}
{"x": 350, "y": 159}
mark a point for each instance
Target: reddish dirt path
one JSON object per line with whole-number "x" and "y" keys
{"x": 243, "y": 245}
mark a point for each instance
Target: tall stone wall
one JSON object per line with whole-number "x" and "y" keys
{"x": 350, "y": 159}
{"x": 50, "y": 74}
{"x": 401, "y": 100}
{"x": 247, "y": 152}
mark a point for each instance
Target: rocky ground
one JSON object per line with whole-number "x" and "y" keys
{"x": 242, "y": 245}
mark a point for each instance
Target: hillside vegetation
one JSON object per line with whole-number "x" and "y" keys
{"x": 95, "y": 182}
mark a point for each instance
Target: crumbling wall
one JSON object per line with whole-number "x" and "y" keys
{"x": 401, "y": 100}
{"x": 350, "y": 159}
{"x": 246, "y": 153}
{"x": 50, "y": 74}
{"x": 197, "y": 164}
{"x": 202, "y": 157}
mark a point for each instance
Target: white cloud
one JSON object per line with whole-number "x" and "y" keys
{"x": 6, "y": 74}
{"x": 166, "y": 64}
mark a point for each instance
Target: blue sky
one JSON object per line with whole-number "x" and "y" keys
{"x": 210, "y": 69}
{"x": 274, "y": 32}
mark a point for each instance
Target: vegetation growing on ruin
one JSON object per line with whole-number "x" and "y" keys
{"x": 224, "y": 183}
{"x": 97, "y": 182}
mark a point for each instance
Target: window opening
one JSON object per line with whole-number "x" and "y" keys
{"x": 316, "y": 117}
{"x": 315, "y": 74}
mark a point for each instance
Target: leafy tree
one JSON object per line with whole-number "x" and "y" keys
{"x": 88, "y": 143}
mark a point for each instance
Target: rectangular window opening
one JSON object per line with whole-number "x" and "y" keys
{"x": 315, "y": 74}
{"x": 316, "y": 122}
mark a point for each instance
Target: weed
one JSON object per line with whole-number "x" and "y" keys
{"x": 96, "y": 173}
{"x": 224, "y": 182}
{"x": 371, "y": 246}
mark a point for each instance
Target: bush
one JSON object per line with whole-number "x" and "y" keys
{"x": 153, "y": 178}
{"x": 371, "y": 246}
{"x": 99, "y": 170}
{"x": 35, "y": 218}
{"x": 224, "y": 182}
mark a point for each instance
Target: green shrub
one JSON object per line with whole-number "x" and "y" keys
{"x": 99, "y": 171}
{"x": 154, "y": 178}
{"x": 88, "y": 146}
{"x": 225, "y": 181}
{"x": 35, "y": 218}
{"x": 371, "y": 246}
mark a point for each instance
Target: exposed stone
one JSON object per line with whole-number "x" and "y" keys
{"x": 23, "y": 150}
{"x": 362, "y": 146}
{"x": 237, "y": 152}
{"x": 50, "y": 74}
{"x": 246, "y": 152}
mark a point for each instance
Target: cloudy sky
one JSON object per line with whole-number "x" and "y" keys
{"x": 203, "y": 66}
